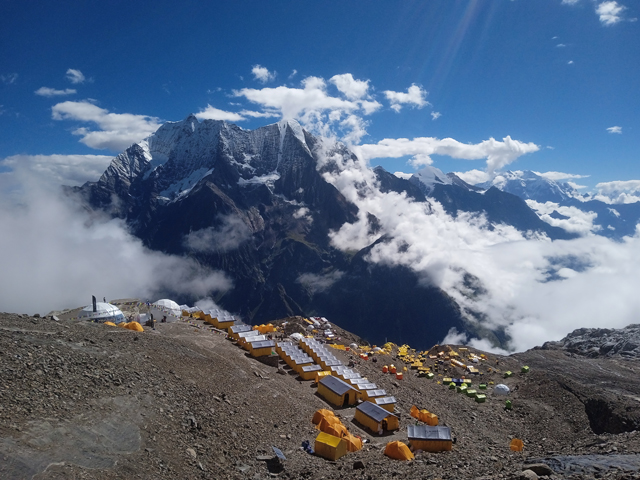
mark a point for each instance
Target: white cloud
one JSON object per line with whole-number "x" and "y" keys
{"x": 305, "y": 213}
{"x": 75, "y": 76}
{"x": 561, "y": 45}
{"x": 9, "y": 78}
{"x": 473, "y": 177}
{"x": 415, "y": 96}
{"x": 55, "y": 255}
{"x": 569, "y": 2}
{"x": 262, "y": 74}
{"x": 356, "y": 128}
{"x": 609, "y": 12}
{"x": 52, "y": 92}
{"x": 497, "y": 153}
{"x": 576, "y": 186}
{"x": 297, "y": 102}
{"x": 570, "y": 62}
{"x": 117, "y": 131}
{"x": 249, "y": 113}
{"x": 577, "y": 222}
{"x": 54, "y": 169}
{"x": 556, "y": 176}
{"x": 229, "y": 235}
{"x": 316, "y": 109}
{"x": 618, "y": 186}
{"x": 212, "y": 113}
{"x": 352, "y": 89}
{"x": 619, "y": 191}
{"x": 319, "y": 283}
{"x": 293, "y": 74}
{"x": 615, "y": 130}
{"x": 435, "y": 115}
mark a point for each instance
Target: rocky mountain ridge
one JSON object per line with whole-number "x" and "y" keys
{"x": 601, "y": 342}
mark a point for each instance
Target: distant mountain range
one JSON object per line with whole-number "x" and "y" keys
{"x": 612, "y": 220}
{"x": 256, "y": 205}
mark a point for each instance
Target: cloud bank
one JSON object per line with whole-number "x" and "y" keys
{"x": 231, "y": 233}
{"x": 534, "y": 288}
{"x": 55, "y": 255}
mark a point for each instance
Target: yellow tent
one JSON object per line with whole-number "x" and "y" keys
{"x": 398, "y": 451}
{"x": 329, "y": 446}
{"x": 111, "y": 324}
{"x": 135, "y": 326}
{"x": 123, "y": 324}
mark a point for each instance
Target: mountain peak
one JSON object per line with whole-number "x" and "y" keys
{"x": 530, "y": 186}
{"x": 428, "y": 177}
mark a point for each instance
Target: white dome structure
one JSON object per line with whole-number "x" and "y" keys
{"x": 165, "y": 308}
{"x": 105, "y": 312}
{"x": 501, "y": 389}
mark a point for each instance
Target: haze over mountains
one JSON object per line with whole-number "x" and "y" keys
{"x": 292, "y": 223}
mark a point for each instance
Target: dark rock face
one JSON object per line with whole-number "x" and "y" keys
{"x": 609, "y": 398}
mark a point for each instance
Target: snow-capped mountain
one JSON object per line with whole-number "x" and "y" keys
{"x": 560, "y": 205}
{"x": 529, "y": 185}
{"x": 255, "y": 205}
{"x": 428, "y": 177}
{"x": 499, "y": 207}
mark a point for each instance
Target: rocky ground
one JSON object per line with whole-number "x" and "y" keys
{"x": 81, "y": 400}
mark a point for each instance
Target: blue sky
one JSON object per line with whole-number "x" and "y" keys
{"x": 563, "y": 76}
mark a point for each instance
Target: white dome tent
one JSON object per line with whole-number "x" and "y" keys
{"x": 165, "y": 308}
{"x": 501, "y": 389}
{"x": 104, "y": 312}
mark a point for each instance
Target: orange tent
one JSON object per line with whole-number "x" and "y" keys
{"x": 337, "y": 430}
{"x": 326, "y": 422}
{"x": 516, "y": 445}
{"x": 398, "y": 451}
{"x": 135, "y": 326}
{"x": 415, "y": 412}
{"x": 320, "y": 414}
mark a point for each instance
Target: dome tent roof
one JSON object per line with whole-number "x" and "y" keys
{"x": 168, "y": 306}
{"x": 105, "y": 312}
